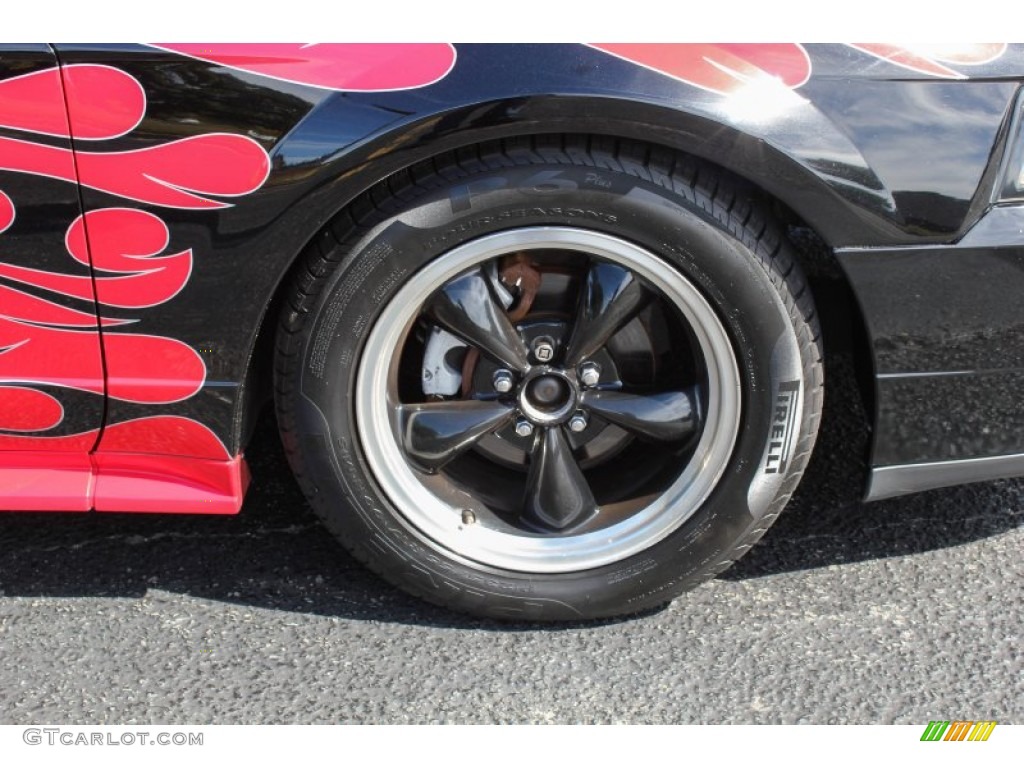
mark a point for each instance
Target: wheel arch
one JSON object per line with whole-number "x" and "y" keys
{"x": 799, "y": 197}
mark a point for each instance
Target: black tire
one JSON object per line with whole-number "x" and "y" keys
{"x": 708, "y": 227}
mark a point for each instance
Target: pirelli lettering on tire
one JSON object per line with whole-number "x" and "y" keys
{"x": 784, "y": 422}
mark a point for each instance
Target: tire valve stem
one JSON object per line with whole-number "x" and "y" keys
{"x": 468, "y": 518}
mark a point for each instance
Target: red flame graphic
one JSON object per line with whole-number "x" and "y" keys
{"x": 80, "y": 442}
{"x": 151, "y": 369}
{"x": 128, "y": 241}
{"x": 34, "y": 103}
{"x": 45, "y": 342}
{"x": 336, "y": 66}
{"x": 722, "y": 68}
{"x": 28, "y": 410}
{"x": 170, "y": 435}
{"x": 140, "y": 368}
{"x": 103, "y": 102}
{"x": 17, "y": 305}
{"x": 927, "y": 59}
{"x": 179, "y": 174}
{"x": 174, "y": 175}
{"x": 62, "y": 357}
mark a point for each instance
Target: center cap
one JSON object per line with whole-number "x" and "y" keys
{"x": 548, "y": 396}
{"x": 549, "y": 393}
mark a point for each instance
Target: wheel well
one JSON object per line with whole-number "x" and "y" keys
{"x": 843, "y": 327}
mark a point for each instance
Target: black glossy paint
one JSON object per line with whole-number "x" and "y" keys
{"x": 948, "y": 336}
{"x": 660, "y": 416}
{"x": 557, "y": 493}
{"x": 612, "y": 296}
{"x": 929, "y": 165}
{"x": 435, "y": 433}
{"x": 949, "y": 417}
{"x": 466, "y": 307}
{"x": 870, "y": 155}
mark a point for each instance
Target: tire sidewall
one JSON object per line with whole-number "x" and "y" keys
{"x": 711, "y": 248}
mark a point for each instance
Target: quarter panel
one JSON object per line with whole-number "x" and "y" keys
{"x": 817, "y": 154}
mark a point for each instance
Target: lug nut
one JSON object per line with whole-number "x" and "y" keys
{"x": 543, "y": 349}
{"x": 524, "y": 428}
{"x": 590, "y": 374}
{"x": 468, "y": 518}
{"x": 502, "y": 381}
{"x": 578, "y": 422}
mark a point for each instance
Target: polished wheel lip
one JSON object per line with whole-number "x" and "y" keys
{"x": 440, "y": 522}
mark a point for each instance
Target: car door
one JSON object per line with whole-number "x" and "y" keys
{"x": 51, "y": 364}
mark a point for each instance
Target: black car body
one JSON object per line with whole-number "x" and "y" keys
{"x": 167, "y": 209}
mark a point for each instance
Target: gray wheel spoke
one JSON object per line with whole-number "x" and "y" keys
{"x": 664, "y": 416}
{"x": 611, "y": 297}
{"x": 435, "y": 433}
{"x": 466, "y": 307}
{"x": 557, "y": 494}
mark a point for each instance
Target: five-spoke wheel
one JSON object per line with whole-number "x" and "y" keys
{"x": 561, "y": 389}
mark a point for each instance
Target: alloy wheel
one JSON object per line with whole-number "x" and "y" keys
{"x": 547, "y": 399}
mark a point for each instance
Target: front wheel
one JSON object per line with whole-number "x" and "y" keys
{"x": 523, "y": 387}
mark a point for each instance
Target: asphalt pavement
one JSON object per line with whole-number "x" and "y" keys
{"x": 901, "y": 611}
